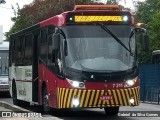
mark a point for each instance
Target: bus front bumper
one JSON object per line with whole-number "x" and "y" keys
{"x": 80, "y": 98}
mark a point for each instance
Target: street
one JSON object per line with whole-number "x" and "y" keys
{"x": 96, "y": 114}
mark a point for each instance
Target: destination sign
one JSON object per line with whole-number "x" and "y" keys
{"x": 80, "y": 18}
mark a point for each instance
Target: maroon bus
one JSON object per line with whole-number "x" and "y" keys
{"x": 85, "y": 58}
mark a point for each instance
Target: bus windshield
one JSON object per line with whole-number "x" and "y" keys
{"x": 92, "y": 49}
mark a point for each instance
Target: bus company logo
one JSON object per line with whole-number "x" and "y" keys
{"x": 22, "y": 92}
{"x": 105, "y": 93}
{"x": 105, "y": 85}
{"x": 28, "y": 73}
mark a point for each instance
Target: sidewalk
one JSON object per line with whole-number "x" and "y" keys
{"x": 4, "y": 110}
{"x": 18, "y": 113}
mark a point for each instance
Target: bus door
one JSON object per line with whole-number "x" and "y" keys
{"x": 35, "y": 67}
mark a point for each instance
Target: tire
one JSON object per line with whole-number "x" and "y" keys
{"x": 113, "y": 111}
{"x": 46, "y": 108}
{"x": 14, "y": 95}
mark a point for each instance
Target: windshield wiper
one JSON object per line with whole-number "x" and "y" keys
{"x": 129, "y": 42}
{"x": 114, "y": 36}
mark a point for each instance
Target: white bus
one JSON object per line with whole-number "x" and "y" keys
{"x": 4, "y": 84}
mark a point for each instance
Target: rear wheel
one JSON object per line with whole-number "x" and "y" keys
{"x": 14, "y": 95}
{"x": 46, "y": 107}
{"x": 111, "y": 111}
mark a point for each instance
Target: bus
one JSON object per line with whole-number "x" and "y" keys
{"x": 156, "y": 57}
{"x": 4, "y": 51}
{"x": 85, "y": 58}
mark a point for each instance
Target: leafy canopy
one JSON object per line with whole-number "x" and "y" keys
{"x": 149, "y": 13}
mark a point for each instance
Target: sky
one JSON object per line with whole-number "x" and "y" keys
{"x": 6, "y": 12}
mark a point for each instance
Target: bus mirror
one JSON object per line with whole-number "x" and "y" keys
{"x": 144, "y": 38}
{"x": 56, "y": 41}
{"x": 145, "y": 41}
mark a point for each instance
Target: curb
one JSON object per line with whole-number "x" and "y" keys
{"x": 12, "y": 107}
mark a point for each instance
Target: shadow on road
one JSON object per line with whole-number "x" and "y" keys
{"x": 84, "y": 114}
{"x": 77, "y": 114}
{"x": 4, "y": 95}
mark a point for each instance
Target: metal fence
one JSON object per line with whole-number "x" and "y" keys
{"x": 150, "y": 82}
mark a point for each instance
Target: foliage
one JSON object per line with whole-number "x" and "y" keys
{"x": 40, "y": 10}
{"x": 149, "y": 13}
{"x": 2, "y": 1}
{"x": 146, "y": 10}
{"x": 154, "y": 30}
{"x": 112, "y": 2}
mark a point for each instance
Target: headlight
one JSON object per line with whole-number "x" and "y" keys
{"x": 76, "y": 84}
{"x": 125, "y": 18}
{"x": 75, "y": 102}
{"x": 130, "y": 83}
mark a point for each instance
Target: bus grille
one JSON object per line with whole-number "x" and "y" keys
{"x": 90, "y": 98}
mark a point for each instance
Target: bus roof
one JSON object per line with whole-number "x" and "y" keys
{"x": 4, "y": 45}
{"x": 156, "y": 52}
{"x": 60, "y": 20}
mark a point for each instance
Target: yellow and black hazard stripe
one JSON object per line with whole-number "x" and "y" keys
{"x": 90, "y": 98}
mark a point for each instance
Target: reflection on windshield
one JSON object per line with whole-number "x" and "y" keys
{"x": 92, "y": 49}
{"x": 98, "y": 54}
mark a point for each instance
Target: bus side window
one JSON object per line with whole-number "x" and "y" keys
{"x": 28, "y": 49}
{"x": 16, "y": 51}
{"x": 20, "y": 50}
{"x": 10, "y": 52}
{"x": 51, "y": 54}
{"x": 43, "y": 46}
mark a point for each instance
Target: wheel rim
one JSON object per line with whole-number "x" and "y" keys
{"x": 45, "y": 102}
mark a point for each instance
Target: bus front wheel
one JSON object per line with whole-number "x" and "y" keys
{"x": 111, "y": 111}
{"x": 46, "y": 107}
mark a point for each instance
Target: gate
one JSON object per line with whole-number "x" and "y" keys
{"x": 149, "y": 82}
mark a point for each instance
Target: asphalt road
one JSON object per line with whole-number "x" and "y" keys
{"x": 126, "y": 113}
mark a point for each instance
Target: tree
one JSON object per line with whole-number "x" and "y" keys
{"x": 2, "y": 1}
{"x": 148, "y": 13}
{"x": 112, "y": 2}
{"x": 146, "y": 10}
{"x": 154, "y": 31}
{"x": 40, "y": 10}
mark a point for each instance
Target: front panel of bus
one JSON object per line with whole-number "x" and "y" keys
{"x": 99, "y": 70}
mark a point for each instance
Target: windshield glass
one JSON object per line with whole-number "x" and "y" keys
{"x": 92, "y": 49}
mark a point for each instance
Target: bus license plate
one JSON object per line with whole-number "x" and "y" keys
{"x": 106, "y": 97}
